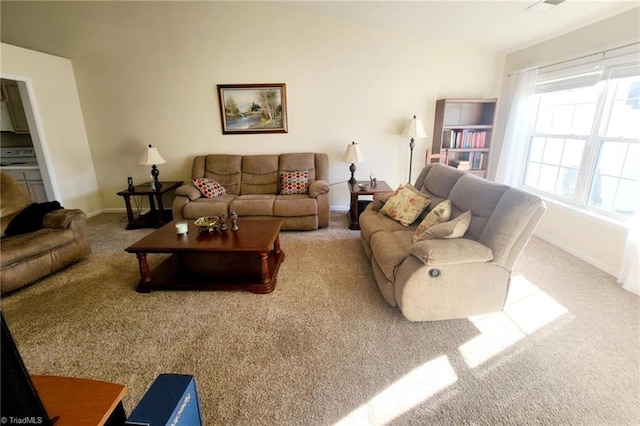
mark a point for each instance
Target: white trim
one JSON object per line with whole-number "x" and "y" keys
{"x": 38, "y": 138}
{"x": 576, "y": 253}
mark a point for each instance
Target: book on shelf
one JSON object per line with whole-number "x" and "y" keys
{"x": 478, "y": 160}
{"x": 460, "y": 164}
{"x": 464, "y": 139}
{"x": 446, "y": 139}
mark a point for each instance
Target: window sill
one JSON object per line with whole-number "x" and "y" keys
{"x": 585, "y": 212}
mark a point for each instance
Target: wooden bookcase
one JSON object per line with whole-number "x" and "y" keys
{"x": 462, "y": 133}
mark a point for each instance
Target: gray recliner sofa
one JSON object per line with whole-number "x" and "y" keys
{"x": 438, "y": 279}
{"x": 253, "y": 189}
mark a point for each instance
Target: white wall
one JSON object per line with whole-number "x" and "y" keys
{"x": 147, "y": 73}
{"x": 599, "y": 242}
{"x": 58, "y": 116}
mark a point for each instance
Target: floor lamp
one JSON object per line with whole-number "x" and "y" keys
{"x": 414, "y": 130}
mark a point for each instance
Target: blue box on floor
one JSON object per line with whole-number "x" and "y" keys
{"x": 172, "y": 400}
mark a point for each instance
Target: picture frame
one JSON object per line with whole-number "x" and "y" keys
{"x": 253, "y": 108}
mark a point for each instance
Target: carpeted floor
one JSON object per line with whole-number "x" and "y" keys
{"x": 324, "y": 348}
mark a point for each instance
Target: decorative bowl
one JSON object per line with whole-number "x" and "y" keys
{"x": 207, "y": 223}
{"x": 362, "y": 186}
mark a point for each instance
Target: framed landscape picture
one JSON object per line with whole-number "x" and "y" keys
{"x": 253, "y": 108}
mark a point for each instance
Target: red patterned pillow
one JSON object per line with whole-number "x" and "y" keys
{"x": 209, "y": 187}
{"x": 294, "y": 182}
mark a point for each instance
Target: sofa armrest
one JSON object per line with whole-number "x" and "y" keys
{"x": 379, "y": 199}
{"x": 450, "y": 251}
{"x": 62, "y": 218}
{"x": 318, "y": 187}
{"x": 189, "y": 190}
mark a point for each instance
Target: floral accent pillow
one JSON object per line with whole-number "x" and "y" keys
{"x": 405, "y": 205}
{"x": 439, "y": 214}
{"x": 294, "y": 182}
{"x": 454, "y": 228}
{"x": 210, "y": 188}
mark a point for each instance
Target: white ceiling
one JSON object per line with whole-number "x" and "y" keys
{"x": 502, "y": 26}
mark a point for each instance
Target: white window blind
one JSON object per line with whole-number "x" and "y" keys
{"x": 590, "y": 69}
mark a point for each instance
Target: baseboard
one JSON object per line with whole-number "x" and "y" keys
{"x": 591, "y": 261}
{"x": 119, "y": 210}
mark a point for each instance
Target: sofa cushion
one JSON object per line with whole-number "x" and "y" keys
{"x": 452, "y": 251}
{"x": 439, "y": 214}
{"x": 224, "y": 168}
{"x": 259, "y": 174}
{"x": 405, "y": 205}
{"x": 478, "y": 195}
{"x": 296, "y": 182}
{"x": 210, "y": 188}
{"x": 295, "y": 205}
{"x": 390, "y": 249}
{"x": 452, "y": 229}
{"x": 20, "y": 247}
{"x": 300, "y": 161}
{"x": 253, "y": 205}
{"x": 208, "y": 207}
{"x": 372, "y": 222}
{"x": 439, "y": 181}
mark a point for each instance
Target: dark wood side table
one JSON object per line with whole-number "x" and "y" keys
{"x": 155, "y": 217}
{"x": 354, "y": 208}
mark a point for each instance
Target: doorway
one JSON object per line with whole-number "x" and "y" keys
{"x": 24, "y": 129}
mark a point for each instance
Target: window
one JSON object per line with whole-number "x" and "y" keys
{"x": 584, "y": 144}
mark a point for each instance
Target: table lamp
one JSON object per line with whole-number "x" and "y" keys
{"x": 352, "y": 155}
{"x": 414, "y": 130}
{"x": 151, "y": 157}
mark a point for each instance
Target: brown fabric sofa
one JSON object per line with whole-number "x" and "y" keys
{"x": 28, "y": 257}
{"x": 437, "y": 279}
{"x": 253, "y": 189}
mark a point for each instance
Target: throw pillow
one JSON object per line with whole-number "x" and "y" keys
{"x": 452, "y": 229}
{"x": 405, "y": 205}
{"x": 294, "y": 182}
{"x": 210, "y": 188}
{"x": 440, "y": 213}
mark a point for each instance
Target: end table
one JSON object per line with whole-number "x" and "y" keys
{"x": 356, "y": 192}
{"x": 155, "y": 217}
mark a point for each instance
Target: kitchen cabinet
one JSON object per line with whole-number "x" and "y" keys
{"x": 32, "y": 180}
{"x": 11, "y": 96}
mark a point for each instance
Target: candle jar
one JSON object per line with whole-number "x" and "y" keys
{"x": 182, "y": 228}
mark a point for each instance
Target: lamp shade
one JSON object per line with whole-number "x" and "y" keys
{"x": 414, "y": 129}
{"x": 151, "y": 156}
{"x": 353, "y": 154}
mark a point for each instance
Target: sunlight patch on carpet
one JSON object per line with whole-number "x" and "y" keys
{"x": 406, "y": 393}
{"x": 527, "y": 310}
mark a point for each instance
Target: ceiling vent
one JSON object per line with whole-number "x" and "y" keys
{"x": 544, "y": 5}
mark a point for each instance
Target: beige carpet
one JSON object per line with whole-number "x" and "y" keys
{"x": 325, "y": 348}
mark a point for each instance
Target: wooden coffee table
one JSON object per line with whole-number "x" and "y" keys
{"x": 246, "y": 259}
